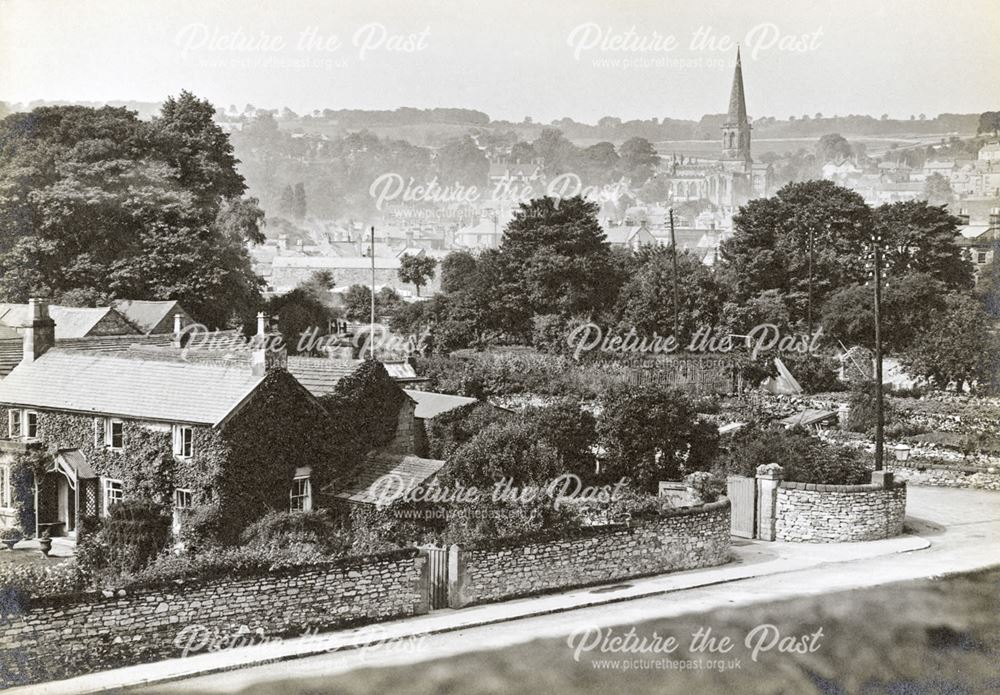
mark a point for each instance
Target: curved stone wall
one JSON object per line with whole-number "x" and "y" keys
{"x": 811, "y": 513}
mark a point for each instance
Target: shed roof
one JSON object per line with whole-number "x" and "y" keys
{"x": 400, "y": 474}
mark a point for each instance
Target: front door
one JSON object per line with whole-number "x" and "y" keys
{"x": 66, "y": 499}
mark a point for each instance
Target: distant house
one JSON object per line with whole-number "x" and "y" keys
{"x": 148, "y": 317}
{"x": 242, "y": 435}
{"x": 980, "y": 241}
{"x": 632, "y": 237}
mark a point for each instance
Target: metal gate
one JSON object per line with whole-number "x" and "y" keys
{"x": 437, "y": 576}
{"x": 742, "y": 493}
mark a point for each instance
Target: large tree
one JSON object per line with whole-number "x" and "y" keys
{"x": 770, "y": 248}
{"x": 956, "y": 346}
{"x": 554, "y": 259}
{"x": 646, "y": 301}
{"x": 919, "y": 237}
{"x": 95, "y": 203}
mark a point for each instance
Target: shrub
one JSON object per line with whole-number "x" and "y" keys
{"x": 134, "y": 533}
{"x": 862, "y": 416}
{"x": 201, "y": 527}
{"x": 707, "y": 486}
{"x": 450, "y": 430}
{"x": 489, "y": 520}
{"x": 652, "y": 433}
{"x": 506, "y": 449}
{"x": 18, "y": 582}
{"x": 218, "y": 562}
{"x": 804, "y": 457}
{"x": 377, "y": 529}
{"x": 285, "y": 529}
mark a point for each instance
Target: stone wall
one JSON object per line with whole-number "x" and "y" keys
{"x": 682, "y": 539}
{"x": 811, "y": 513}
{"x": 976, "y": 477}
{"x": 43, "y": 639}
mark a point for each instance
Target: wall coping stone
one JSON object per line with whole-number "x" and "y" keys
{"x": 867, "y": 487}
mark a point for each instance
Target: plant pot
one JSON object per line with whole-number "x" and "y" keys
{"x": 45, "y": 545}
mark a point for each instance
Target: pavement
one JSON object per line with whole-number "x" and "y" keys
{"x": 954, "y": 530}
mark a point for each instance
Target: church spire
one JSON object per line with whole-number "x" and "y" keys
{"x": 736, "y": 129}
{"x": 737, "y": 102}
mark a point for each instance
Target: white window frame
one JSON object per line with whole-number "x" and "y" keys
{"x": 26, "y": 424}
{"x": 109, "y": 438}
{"x": 15, "y": 424}
{"x": 183, "y": 498}
{"x": 106, "y": 487}
{"x": 305, "y": 495}
{"x": 6, "y": 494}
{"x": 178, "y": 437}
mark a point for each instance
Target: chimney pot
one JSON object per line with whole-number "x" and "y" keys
{"x": 261, "y": 323}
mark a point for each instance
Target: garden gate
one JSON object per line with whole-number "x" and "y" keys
{"x": 437, "y": 576}
{"x": 742, "y": 493}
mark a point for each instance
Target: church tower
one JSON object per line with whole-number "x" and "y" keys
{"x": 736, "y": 129}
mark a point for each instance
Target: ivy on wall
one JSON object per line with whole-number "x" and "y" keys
{"x": 364, "y": 412}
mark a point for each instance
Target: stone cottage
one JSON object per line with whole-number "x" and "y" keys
{"x": 100, "y": 427}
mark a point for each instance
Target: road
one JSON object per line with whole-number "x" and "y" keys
{"x": 963, "y": 527}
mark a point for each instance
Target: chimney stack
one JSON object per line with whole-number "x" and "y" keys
{"x": 178, "y": 328}
{"x": 267, "y": 351}
{"x": 39, "y": 332}
{"x": 995, "y": 220}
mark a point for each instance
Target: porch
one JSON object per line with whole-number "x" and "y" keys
{"x": 65, "y": 492}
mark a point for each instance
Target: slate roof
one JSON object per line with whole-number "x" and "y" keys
{"x": 430, "y": 405}
{"x": 71, "y": 321}
{"x": 408, "y": 472}
{"x": 147, "y": 315}
{"x": 318, "y": 374}
{"x": 129, "y": 387}
{"x": 12, "y": 349}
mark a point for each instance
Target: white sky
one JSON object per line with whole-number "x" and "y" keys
{"x": 511, "y": 58}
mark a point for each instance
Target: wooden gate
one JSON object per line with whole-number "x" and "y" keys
{"x": 437, "y": 576}
{"x": 742, "y": 493}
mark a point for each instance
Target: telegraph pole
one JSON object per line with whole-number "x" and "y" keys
{"x": 673, "y": 247}
{"x": 371, "y": 330}
{"x": 879, "y": 412}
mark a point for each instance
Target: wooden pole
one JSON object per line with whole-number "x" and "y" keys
{"x": 673, "y": 247}
{"x": 371, "y": 330}
{"x": 879, "y": 412}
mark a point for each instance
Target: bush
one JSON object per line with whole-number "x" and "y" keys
{"x": 135, "y": 532}
{"x": 707, "y": 486}
{"x": 201, "y": 527}
{"x": 862, "y": 416}
{"x": 804, "y": 457}
{"x": 450, "y": 430}
{"x": 286, "y": 529}
{"x": 377, "y": 529}
{"x": 218, "y": 562}
{"x": 652, "y": 433}
{"x": 18, "y": 582}
{"x": 489, "y": 520}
